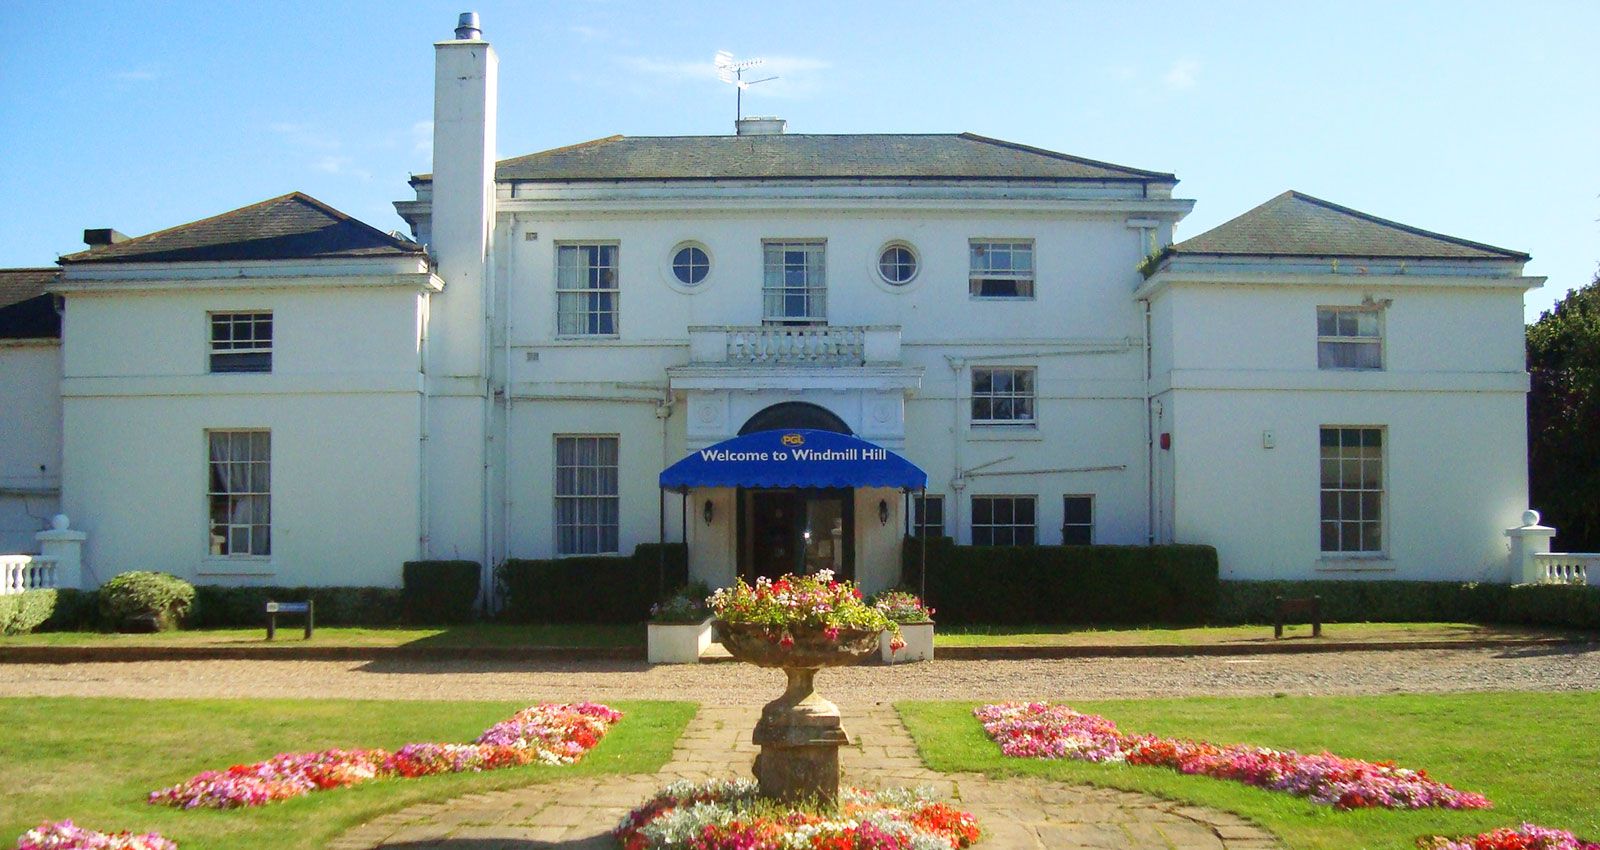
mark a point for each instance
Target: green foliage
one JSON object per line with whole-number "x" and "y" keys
{"x": 1564, "y": 418}
{"x": 685, "y": 605}
{"x": 220, "y": 607}
{"x": 440, "y": 592}
{"x": 1553, "y": 605}
{"x": 74, "y": 610}
{"x": 21, "y": 613}
{"x": 1066, "y": 584}
{"x": 590, "y": 589}
{"x": 161, "y": 599}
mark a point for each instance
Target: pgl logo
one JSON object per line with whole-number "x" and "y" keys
{"x": 794, "y": 439}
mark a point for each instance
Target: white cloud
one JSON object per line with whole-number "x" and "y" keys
{"x": 588, "y": 33}
{"x": 797, "y": 76}
{"x": 1183, "y": 74}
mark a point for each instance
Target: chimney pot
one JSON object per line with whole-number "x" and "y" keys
{"x": 102, "y": 236}
{"x": 467, "y": 28}
{"x": 765, "y": 125}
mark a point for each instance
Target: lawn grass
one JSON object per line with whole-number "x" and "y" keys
{"x": 984, "y": 635}
{"x": 1534, "y": 754}
{"x": 95, "y": 760}
{"x": 289, "y": 637}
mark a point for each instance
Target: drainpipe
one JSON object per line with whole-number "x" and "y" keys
{"x": 958, "y": 477}
{"x": 510, "y": 400}
{"x": 423, "y": 529}
{"x": 1149, "y": 436}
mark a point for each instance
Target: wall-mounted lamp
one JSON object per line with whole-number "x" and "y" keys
{"x": 883, "y": 512}
{"x": 709, "y": 512}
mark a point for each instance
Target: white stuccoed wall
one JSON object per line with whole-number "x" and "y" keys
{"x": 343, "y": 403}
{"x": 30, "y": 440}
{"x": 1450, "y": 399}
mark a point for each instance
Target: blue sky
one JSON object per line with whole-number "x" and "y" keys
{"x": 1477, "y": 120}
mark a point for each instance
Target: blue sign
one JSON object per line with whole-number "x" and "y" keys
{"x": 796, "y": 457}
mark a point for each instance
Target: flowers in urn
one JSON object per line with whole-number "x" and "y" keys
{"x": 807, "y": 607}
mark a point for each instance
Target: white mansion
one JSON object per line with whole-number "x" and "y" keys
{"x": 283, "y": 395}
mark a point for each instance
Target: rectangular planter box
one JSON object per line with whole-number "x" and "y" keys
{"x": 919, "y": 644}
{"x": 678, "y": 643}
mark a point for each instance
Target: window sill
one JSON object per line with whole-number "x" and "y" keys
{"x": 1001, "y": 298}
{"x": 242, "y": 566}
{"x": 1355, "y": 564}
{"x": 1000, "y": 432}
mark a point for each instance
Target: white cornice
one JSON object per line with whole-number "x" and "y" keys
{"x": 1343, "y": 381}
{"x": 1166, "y": 209}
{"x": 421, "y": 281}
{"x": 904, "y": 378}
{"x": 1160, "y": 281}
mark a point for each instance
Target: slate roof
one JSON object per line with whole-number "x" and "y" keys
{"x": 1297, "y": 225}
{"x": 799, "y": 156}
{"x": 295, "y": 226}
{"x": 26, "y": 310}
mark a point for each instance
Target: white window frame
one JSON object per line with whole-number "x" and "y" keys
{"x": 919, "y": 509}
{"x": 250, "y": 345}
{"x": 1351, "y": 340}
{"x": 1356, "y": 496}
{"x": 607, "y": 523}
{"x": 1033, "y": 527}
{"x": 1031, "y": 397}
{"x": 1088, "y": 525}
{"x": 776, "y": 284}
{"x": 980, "y": 272}
{"x": 586, "y": 320}
{"x": 256, "y": 495}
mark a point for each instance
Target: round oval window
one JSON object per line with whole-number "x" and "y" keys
{"x": 690, "y": 265}
{"x": 897, "y": 264}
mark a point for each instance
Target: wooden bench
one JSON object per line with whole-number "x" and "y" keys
{"x": 1303, "y": 608}
{"x": 276, "y": 608}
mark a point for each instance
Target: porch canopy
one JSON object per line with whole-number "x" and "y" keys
{"x": 793, "y": 457}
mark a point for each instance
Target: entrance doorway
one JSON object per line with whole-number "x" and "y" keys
{"x": 796, "y": 531}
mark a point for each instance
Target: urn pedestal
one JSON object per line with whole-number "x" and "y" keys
{"x": 799, "y": 733}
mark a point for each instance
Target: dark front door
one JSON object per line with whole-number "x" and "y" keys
{"x": 775, "y": 530}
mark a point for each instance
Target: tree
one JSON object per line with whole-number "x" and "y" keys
{"x": 1564, "y": 418}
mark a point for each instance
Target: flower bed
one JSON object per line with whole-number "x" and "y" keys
{"x": 1525, "y": 837}
{"x": 548, "y": 733}
{"x": 812, "y": 604}
{"x": 1042, "y": 730}
{"x": 65, "y": 835}
{"x": 728, "y": 815}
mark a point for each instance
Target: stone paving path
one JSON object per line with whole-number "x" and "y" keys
{"x": 1015, "y": 814}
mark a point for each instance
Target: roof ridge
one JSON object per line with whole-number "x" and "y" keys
{"x": 1386, "y": 222}
{"x": 990, "y": 140}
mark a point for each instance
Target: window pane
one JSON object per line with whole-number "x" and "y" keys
{"x": 1003, "y": 511}
{"x": 1075, "y": 535}
{"x": 982, "y": 511}
{"x": 1023, "y": 511}
{"x": 1076, "y": 509}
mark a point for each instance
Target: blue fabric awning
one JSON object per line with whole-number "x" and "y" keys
{"x": 795, "y": 457}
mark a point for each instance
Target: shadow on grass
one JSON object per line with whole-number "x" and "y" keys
{"x": 489, "y": 664}
{"x": 605, "y": 841}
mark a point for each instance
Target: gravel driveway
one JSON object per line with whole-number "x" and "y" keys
{"x": 1564, "y": 668}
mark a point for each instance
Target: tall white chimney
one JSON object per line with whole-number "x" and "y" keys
{"x": 461, "y": 236}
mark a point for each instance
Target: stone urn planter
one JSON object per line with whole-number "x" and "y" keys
{"x": 677, "y": 643}
{"x": 799, "y": 733}
{"x": 919, "y": 644}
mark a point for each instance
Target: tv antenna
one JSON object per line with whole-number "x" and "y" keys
{"x": 730, "y": 71}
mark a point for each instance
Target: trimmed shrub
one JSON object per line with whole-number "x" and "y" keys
{"x": 440, "y": 592}
{"x": 1567, "y": 606}
{"x": 23, "y": 612}
{"x": 589, "y": 589}
{"x": 1365, "y": 601}
{"x": 143, "y": 600}
{"x": 223, "y": 607}
{"x": 1066, "y": 584}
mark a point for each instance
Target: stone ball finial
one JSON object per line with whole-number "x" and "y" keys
{"x": 1530, "y": 517}
{"x": 59, "y": 522}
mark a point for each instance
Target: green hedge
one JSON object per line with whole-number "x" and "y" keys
{"x": 589, "y": 589}
{"x": 1065, "y": 584}
{"x": 440, "y": 592}
{"x": 222, "y": 607}
{"x": 21, "y": 613}
{"x": 1552, "y": 605}
{"x": 141, "y": 599}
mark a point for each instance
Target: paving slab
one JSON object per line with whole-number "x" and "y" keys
{"x": 1015, "y": 814}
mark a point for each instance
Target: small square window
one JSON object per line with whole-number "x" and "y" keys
{"x": 241, "y": 342}
{"x": 1001, "y": 269}
{"x": 1003, "y": 521}
{"x": 1002, "y": 396}
{"x": 1349, "y": 338}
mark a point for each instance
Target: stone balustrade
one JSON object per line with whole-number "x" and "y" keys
{"x": 794, "y": 345}
{"x": 1568, "y": 567}
{"x": 19, "y": 573}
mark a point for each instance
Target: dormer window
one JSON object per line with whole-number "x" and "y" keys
{"x": 1349, "y": 338}
{"x": 241, "y": 342}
